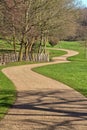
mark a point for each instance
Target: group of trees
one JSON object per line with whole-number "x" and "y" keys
{"x": 32, "y": 23}
{"x": 82, "y": 28}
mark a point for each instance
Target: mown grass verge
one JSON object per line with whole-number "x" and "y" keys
{"x": 7, "y": 94}
{"x": 74, "y": 74}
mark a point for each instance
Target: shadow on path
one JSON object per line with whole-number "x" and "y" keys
{"x": 50, "y": 110}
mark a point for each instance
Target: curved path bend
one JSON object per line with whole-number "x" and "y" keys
{"x": 43, "y": 103}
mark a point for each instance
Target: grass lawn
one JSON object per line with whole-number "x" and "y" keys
{"x": 74, "y": 73}
{"x": 7, "y": 94}
{"x": 7, "y": 47}
{"x": 54, "y": 53}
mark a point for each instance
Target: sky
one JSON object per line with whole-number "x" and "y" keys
{"x": 84, "y": 2}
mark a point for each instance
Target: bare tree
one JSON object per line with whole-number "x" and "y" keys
{"x": 28, "y": 21}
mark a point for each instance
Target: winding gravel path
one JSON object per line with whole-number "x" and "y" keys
{"x": 43, "y": 103}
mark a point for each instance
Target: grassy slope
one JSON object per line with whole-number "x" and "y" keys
{"x": 7, "y": 47}
{"x": 54, "y": 53}
{"x": 74, "y": 73}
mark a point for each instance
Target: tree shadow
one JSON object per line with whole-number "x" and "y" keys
{"x": 50, "y": 110}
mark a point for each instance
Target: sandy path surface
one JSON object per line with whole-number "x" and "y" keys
{"x": 43, "y": 103}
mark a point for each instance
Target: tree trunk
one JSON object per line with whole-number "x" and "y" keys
{"x": 14, "y": 46}
{"x": 26, "y": 52}
{"x": 31, "y": 44}
{"x": 21, "y": 52}
{"x": 40, "y": 45}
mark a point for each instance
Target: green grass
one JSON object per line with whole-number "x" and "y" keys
{"x": 7, "y": 47}
{"x": 55, "y": 53}
{"x": 7, "y": 93}
{"x": 74, "y": 73}
{"x": 74, "y": 46}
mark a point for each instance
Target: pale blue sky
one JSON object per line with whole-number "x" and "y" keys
{"x": 84, "y": 2}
